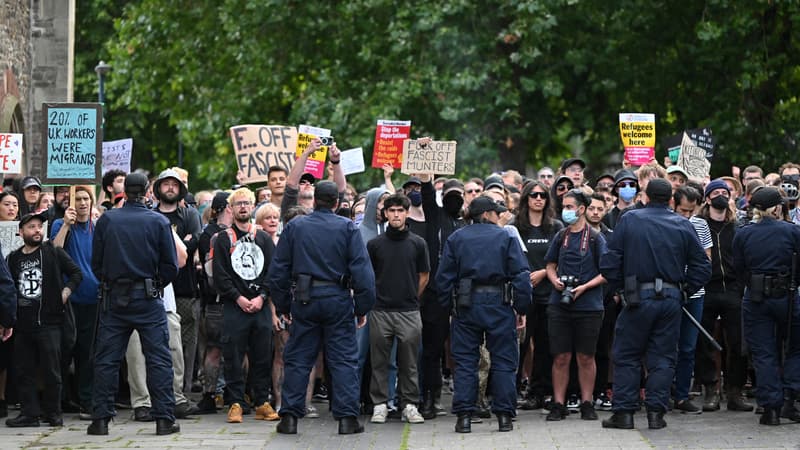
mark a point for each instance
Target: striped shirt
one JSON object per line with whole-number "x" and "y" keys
{"x": 704, "y": 234}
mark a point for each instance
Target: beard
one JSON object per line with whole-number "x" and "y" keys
{"x": 32, "y": 241}
{"x": 169, "y": 197}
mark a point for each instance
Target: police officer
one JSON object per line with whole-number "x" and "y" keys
{"x": 655, "y": 254}
{"x": 133, "y": 255}
{"x": 762, "y": 256}
{"x": 323, "y": 255}
{"x": 476, "y": 264}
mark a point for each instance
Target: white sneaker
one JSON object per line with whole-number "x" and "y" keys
{"x": 379, "y": 413}
{"x": 411, "y": 415}
{"x": 311, "y": 412}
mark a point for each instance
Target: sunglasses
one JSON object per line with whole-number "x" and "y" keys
{"x": 541, "y": 195}
{"x": 562, "y": 187}
{"x": 474, "y": 191}
{"x": 546, "y": 175}
{"x": 627, "y": 184}
{"x": 604, "y": 185}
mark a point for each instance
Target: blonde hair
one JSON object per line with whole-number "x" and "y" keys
{"x": 651, "y": 169}
{"x": 242, "y": 192}
{"x": 266, "y": 209}
{"x": 759, "y": 214}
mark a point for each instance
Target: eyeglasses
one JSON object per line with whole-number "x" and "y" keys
{"x": 541, "y": 195}
{"x": 474, "y": 191}
{"x": 242, "y": 203}
{"x": 604, "y": 185}
{"x": 546, "y": 175}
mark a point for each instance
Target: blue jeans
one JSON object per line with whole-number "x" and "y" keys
{"x": 687, "y": 343}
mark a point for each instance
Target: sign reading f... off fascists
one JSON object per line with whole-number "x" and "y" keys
{"x": 73, "y": 142}
{"x": 258, "y": 147}
{"x": 437, "y": 157}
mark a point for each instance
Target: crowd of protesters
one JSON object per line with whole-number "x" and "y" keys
{"x": 227, "y": 339}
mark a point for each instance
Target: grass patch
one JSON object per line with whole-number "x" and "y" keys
{"x": 406, "y": 433}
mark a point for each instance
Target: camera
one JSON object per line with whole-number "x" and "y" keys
{"x": 326, "y": 140}
{"x": 570, "y": 282}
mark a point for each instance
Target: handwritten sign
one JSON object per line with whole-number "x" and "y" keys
{"x": 353, "y": 161}
{"x": 117, "y": 155}
{"x": 703, "y": 138}
{"x": 638, "y": 133}
{"x": 258, "y": 147}
{"x": 436, "y": 157}
{"x": 693, "y": 159}
{"x": 389, "y": 137}
{"x": 315, "y": 164}
{"x": 73, "y": 138}
{"x": 10, "y": 152}
{"x": 10, "y": 238}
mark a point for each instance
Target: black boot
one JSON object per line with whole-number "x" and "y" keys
{"x": 504, "y": 422}
{"x": 464, "y": 423}
{"x": 437, "y": 402}
{"x": 166, "y": 426}
{"x": 287, "y": 425}
{"x": 98, "y": 427}
{"x": 621, "y": 419}
{"x": 428, "y": 411}
{"x": 350, "y": 425}
{"x": 789, "y": 411}
{"x": 655, "y": 420}
{"x": 22, "y": 421}
{"x": 207, "y": 405}
{"x": 770, "y": 416}
{"x": 736, "y": 400}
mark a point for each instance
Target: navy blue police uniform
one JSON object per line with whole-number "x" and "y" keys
{"x": 650, "y": 246}
{"x": 329, "y": 250}
{"x": 489, "y": 256}
{"x": 762, "y": 255}
{"x": 132, "y": 246}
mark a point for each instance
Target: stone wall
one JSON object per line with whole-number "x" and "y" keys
{"x": 15, "y": 55}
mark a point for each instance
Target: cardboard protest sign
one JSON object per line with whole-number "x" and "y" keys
{"x": 10, "y": 152}
{"x": 703, "y": 138}
{"x": 258, "y": 147}
{"x": 10, "y": 238}
{"x": 117, "y": 155}
{"x": 315, "y": 164}
{"x": 73, "y": 137}
{"x": 437, "y": 157}
{"x": 638, "y": 133}
{"x": 389, "y": 137}
{"x": 673, "y": 146}
{"x": 353, "y": 161}
{"x": 693, "y": 159}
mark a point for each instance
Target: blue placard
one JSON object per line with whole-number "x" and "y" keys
{"x": 73, "y": 141}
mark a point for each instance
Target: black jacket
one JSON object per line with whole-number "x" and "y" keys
{"x": 723, "y": 276}
{"x": 227, "y": 283}
{"x": 55, "y": 263}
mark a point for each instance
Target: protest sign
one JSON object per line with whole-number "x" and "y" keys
{"x": 10, "y": 238}
{"x": 353, "y": 161}
{"x": 673, "y": 147}
{"x": 315, "y": 164}
{"x": 73, "y": 138}
{"x": 117, "y": 155}
{"x": 693, "y": 159}
{"x": 437, "y": 157}
{"x": 10, "y": 152}
{"x": 258, "y": 147}
{"x": 638, "y": 133}
{"x": 703, "y": 138}
{"x": 389, "y": 137}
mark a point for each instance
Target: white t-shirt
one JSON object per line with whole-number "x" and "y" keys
{"x": 169, "y": 299}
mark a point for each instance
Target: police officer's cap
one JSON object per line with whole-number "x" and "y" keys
{"x": 483, "y": 204}
{"x": 136, "y": 182}
{"x": 659, "y": 190}
{"x": 326, "y": 191}
{"x": 766, "y": 198}
{"x": 169, "y": 173}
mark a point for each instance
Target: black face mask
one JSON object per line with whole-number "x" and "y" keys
{"x": 452, "y": 204}
{"x": 415, "y": 197}
{"x": 719, "y": 202}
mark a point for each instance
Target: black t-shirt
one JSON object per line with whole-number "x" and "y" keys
{"x": 537, "y": 243}
{"x": 29, "y": 288}
{"x": 398, "y": 257}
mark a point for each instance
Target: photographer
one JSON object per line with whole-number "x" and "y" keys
{"x": 576, "y": 307}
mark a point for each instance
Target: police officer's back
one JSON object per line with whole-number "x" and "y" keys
{"x": 477, "y": 262}
{"x": 323, "y": 256}
{"x": 133, "y": 255}
{"x": 654, "y": 254}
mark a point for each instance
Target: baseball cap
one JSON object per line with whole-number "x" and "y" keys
{"x": 677, "y": 169}
{"x": 570, "y": 161}
{"x": 482, "y": 204}
{"x": 493, "y": 182}
{"x": 766, "y": 198}
{"x": 136, "y": 182}
{"x": 412, "y": 180}
{"x": 30, "y": 182}
{"x": 452, "y": 185}
{"x": 30, "y": 216}
{"x": 308, "y": 177}
{"x": 220, "y": 201}
{"x": 326, "y": 191}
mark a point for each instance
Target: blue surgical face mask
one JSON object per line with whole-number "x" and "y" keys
{"x": 627, "y": 193}
{"x": 415, "y": 197}
{"x": 569, "y": 216}
{"x": 359, "y": 218}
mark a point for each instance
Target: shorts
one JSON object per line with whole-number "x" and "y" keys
{"x": 213, "y": 325}
{"x": 570, "y": 330}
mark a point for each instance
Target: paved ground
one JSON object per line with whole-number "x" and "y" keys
{"x": 709, "y": 430}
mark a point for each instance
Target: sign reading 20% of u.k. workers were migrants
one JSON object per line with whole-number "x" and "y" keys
{"x": 73, "y": 143}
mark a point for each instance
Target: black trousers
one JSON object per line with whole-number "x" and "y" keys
{"x": 541, "y": 382}
{"x": 728, "y": 306}
{"x": 603, "y": 354}
{"x": 435, "y": 328}
{"x": 249, "y": 334}
{"x": 39, "y": 348}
